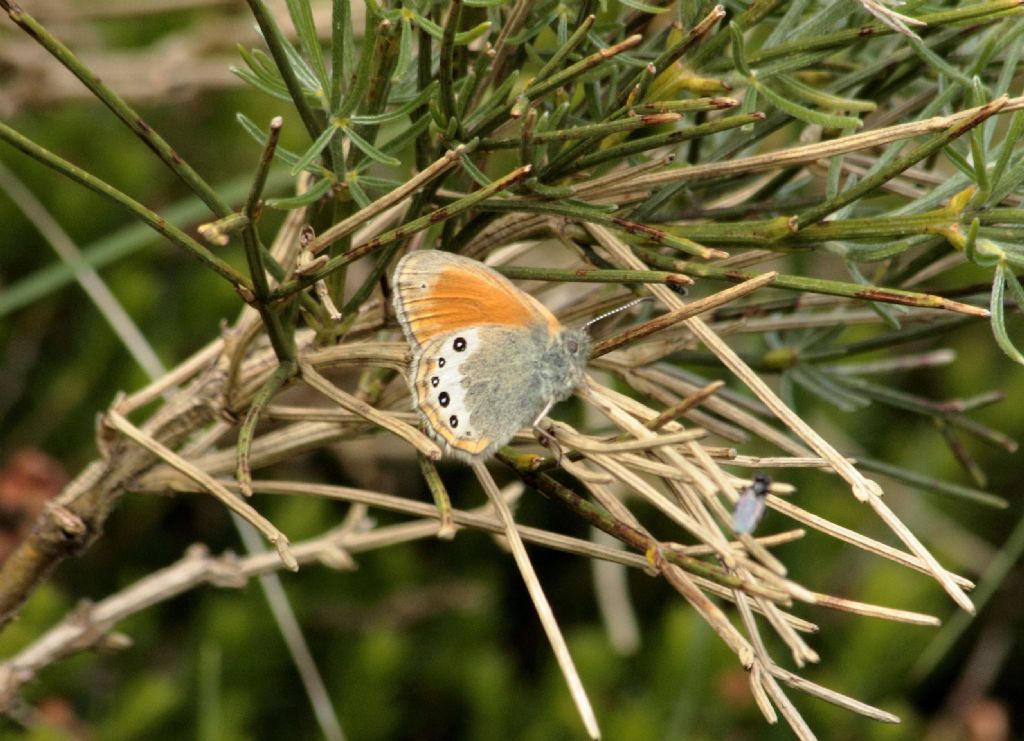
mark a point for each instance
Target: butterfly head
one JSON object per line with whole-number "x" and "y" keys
{"x": 564, "y": 364}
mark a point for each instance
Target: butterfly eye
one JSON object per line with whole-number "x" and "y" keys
{"x": 572, "y": 346}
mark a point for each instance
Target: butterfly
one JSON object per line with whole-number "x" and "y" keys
{"x": 487, "y": 358}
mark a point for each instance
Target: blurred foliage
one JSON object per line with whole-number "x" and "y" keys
{"x": 429, "y": 640}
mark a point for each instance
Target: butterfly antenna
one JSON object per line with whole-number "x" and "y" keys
{"x": 615, "y": 311}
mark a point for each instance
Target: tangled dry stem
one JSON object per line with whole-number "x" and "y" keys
{"x": 651, "y": 446}
{"x": 661, "y": 459}
{"x": 653, "y": 450}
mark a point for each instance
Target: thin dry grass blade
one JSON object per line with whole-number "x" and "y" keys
{"x": 540, "y": 602}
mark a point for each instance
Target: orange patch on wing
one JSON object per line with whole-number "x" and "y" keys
{"x": 464, "y": 296}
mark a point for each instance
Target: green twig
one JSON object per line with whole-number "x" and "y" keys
{"x": 284, "y": 373}
{"x": 781, "y": 231}
{"x": 588, "y": 214}
{"x": 360, "y": 81}
{"x": 685, "y": 106}
{"x": 120, "y": 108}
{"x": 749, "y": 18}
{"x": 173, "y": 234}
{"x": 494, "y": 111}
{"x": 900, "y": 164}
{"x": 580, "y": 132}
{"x": 642, "y": 80}
{"x": 539, "y": 87}
{"x": 342, "y": 40}
{"x": 281, "y": 339}
{"x": 932, "y": 484}
{"x": 594, "y": 275}
{"x": 527, "y": 138}
{"x": 276, "y": 42}
{"x": 560, "y": 167}
{"x": 374, "y": 99}
{"x": 565, "y": 50}
{"x": 445, "y": 69}
{"x": 424, "y": 79}
{"x": 974, "y": 13}
{"x": 446, "y": 528}
{"x": 920, "y": 405}
{"x": 415, "y": 184}
{"x": 814, "y": 285}
{"x": 403, "y": 231}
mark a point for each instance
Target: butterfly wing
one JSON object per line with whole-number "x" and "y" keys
{"x": 440, "y": 396}
{"x": 438, "y": 293}
{"x": 478, "y": 373}
{"x": 476, "y": 388}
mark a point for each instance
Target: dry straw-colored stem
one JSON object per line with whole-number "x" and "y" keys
{"x": 810, "y": 153}
{"x": 656, "y": 453}
{"x": 540, "y": 601}
{"x": 677, "y": 315}
{"x": 347, "y": 401}
{"x": 405, "y": 190}
{"x": 207, "y": 483}
{"x": 91, "y": 625}
{"x": 863, "y": 489}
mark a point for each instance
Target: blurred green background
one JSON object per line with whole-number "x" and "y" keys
{"x": 431, "y": 640}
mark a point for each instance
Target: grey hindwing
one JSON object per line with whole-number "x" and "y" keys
{"x": 511, "y": 378}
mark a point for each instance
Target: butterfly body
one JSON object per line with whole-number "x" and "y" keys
{"x": 488, "y": 359}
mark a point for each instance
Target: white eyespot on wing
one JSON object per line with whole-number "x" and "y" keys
{"x": 439, "y": 392}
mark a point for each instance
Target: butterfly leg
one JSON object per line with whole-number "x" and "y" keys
{"x": 544, "y": 437}
{"x": 547, "y": 439}
{"x": 536, "y": 422}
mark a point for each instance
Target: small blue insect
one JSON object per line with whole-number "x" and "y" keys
{"x": 750, "y": 506}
